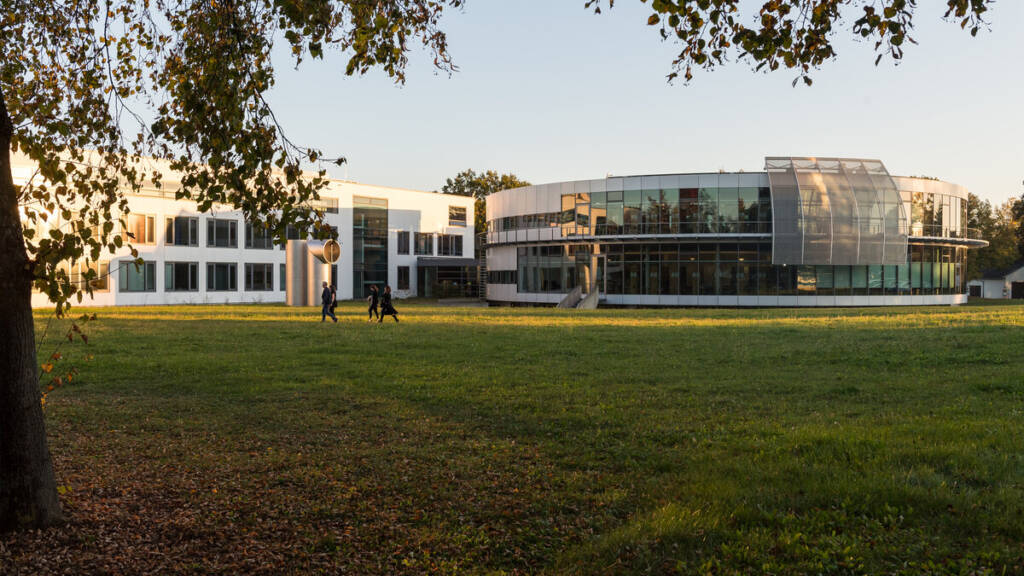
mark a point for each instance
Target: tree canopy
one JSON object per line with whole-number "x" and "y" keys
{"x": 789, "y": 34}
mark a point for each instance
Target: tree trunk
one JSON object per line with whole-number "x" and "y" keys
{"x": 28, "y": 490}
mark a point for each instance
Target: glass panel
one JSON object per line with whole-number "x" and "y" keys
{"x": 806, "y": 280}
{"x": 633, "y": 271}
{"x": 728, "y": 210}
{"x": 746, "y": 278}
{"x": 370, "y": 244}
{"x": 708, "y": 275}
{"x": 689, "y": 278}
{"x": 786, "y": 280}
{"x": 874, "y": 280}
{"x": 613, "y": 220}
{"x": 860, "y": 280}
{"x": 903, "y": 273}
{"x": 824, "y": 280}
{"x": 708, "y": 215}
{"x": 841, "y": 280}
{"x": 727, "y": 278}
{"x": 889, "y": 279}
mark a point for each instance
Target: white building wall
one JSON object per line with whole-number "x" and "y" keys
{"x": 408, "y": 210}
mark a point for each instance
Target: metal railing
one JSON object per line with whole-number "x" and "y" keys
{"x": 940, "y": 231}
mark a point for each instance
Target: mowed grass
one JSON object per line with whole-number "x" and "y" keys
{"x": 254, "y": 439}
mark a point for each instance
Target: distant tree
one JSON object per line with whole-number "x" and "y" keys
{"x": 1018, "y": 216}
{"x": 479, "y": 186}
{"x": 998, "y": 226}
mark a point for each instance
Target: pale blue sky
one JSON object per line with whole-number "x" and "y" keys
{"x": 551, "y": 92}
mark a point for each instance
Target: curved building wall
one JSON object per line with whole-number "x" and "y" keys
{"x": 705, "y": 240}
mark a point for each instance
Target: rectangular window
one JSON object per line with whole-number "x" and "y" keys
{"x": 182, "y": 231}
{"x": 501, "y": 276}
{"x": 403, "y": 277}
{"x": 281, "y": 279}
{"x": 424, "y": 244}
{"x": 258, "y": 237}
{"x": 449, "y": 245}
{"x": 222, "y": 277}
{"x": 78, "y": 275}
{"x": 141, "y": 229}
{"x": 403, "y": 242}
{"x": 181, "y": 276}
{"x": 134, "y": 277}
{"x": 328, "y": 205}
{"x": 259, "y": 277}
{"x": 568, "y": 213}
{"x": 456, "y": 215}
{"x": 370, "y": 238}
{"x": 221, "y": 233}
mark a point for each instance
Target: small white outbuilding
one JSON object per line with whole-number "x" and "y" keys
{"x": 999, "y": 283}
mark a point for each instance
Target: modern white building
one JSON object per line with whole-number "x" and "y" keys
{"x": 804, "y": 232}
{"x": 1001, "y": 283}
{"x": 419, "y": 243}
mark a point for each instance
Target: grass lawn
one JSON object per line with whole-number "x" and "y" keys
{"x": 253, "y": 439}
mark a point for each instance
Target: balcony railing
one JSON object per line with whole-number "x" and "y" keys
{"x": 940, "y": 231}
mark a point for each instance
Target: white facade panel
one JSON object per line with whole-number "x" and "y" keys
{"x": 408, "y": 210}
{"x": 669, "y": 182}
{"x": 750, "y": 180}
{"x": 689, "y": 181}
{"x": 707, "y": 180}
{"x": 728, "y": 180}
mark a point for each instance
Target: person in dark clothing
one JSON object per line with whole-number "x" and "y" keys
{"x": 373, "y": 298}
{"x": 386, "y": 308}
{"x": 326, "y": 298}
{"x": 334, "y": 297}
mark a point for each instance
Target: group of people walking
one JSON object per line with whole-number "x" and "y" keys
{"x": 329, "y": 299}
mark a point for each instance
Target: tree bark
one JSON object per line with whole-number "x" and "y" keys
{"x": 28, "y": 490}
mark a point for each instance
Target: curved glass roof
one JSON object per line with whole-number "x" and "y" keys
{"x": 839, "y": 211}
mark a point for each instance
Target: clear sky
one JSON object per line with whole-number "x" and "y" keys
{"x": 551, "y": 92}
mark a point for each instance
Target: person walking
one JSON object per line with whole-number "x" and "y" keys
{"x": 334, "y": 297}
{"x": 326, "y": 299}
{"x": 386, "y": 308}
{"x": 373, "y": 299}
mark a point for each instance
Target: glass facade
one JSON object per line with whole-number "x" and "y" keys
{"x": 936, "y": 215}
{"x": 731, "y": 269}
{"x": 836, "y": 211}
{"x": 369, "y": 244}
{"x": 710, "y": 210}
